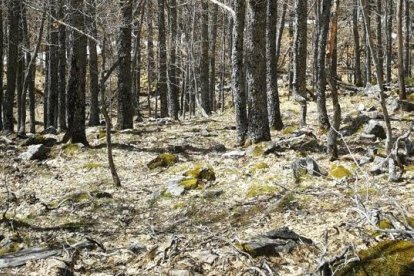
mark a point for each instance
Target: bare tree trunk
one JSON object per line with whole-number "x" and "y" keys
{"x": 367, "y": 28}
{"x": 125, "y": 110}
{"x": 357, "y": 47}
{"x": 333, "y": 64}
{"x": 204, "y": 59}
{"x": 258, "y": 128}
{"x": 299, "y": 58}
{"x": 12, "y": 61}
{"x": 93, "y": 67}
{"x": 407, "y": 60}
{"x": 388, "y": 30}
{"x": 174, "y": 89}
{"x": 77, "y": 78}
{"x": 238, "y": 76}
{"x": 323, "y": 27}
{"x": 273, "y": 105}
{"x": 380, "y": 41}
{"x": 213, "y": 46}
{"x": 162, "y": 60}
{"x": 136, "y": 63}
{"x": 1, "y": 65}
{"x": 401, "y": 74}
{"x": 150, "y": 57}
{"x": 52, "y": 101}
{"x": 62, "y": 68}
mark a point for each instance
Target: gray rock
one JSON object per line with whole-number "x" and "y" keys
{"x": 234, "y": 154}
{"x": 213, "y": 193}
{"x": 305, "y": 166}
{"x": 392, "y": 104}
{"x": 46, "y": 140}
{"x": 35, "y": 152}
{"x": 273, "y": 242}
{"x": 218, "y": 148}
{"x": 375, "y": 128}
{"x": 174, "y": 188}
{"x": 379, "y": 165}
{"x": 365, "y": 160}
{"x": 137, "y": 248}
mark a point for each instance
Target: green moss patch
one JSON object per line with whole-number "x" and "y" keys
{"x": 92, "y": 166}
{"x": 385, "y": 258}
{"x": 257, "y": 189}
{"x": 71, "y": 149}
{"x": 339, "y": 172}
{"x": 163, "y": 160}
{"x": 259, "y": 167}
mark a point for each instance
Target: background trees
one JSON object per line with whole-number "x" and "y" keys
{"x": 169, "y": 53}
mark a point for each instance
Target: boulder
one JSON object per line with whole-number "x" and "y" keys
{"x": 273, "y": 242}
{"x": 163, "y": 160}
{"x": 305, "y": 166}
{"x": 47, "y": 140}
{"x": 218, "y": 148}
{"x": 174, "y": 187}
{"x": 375, "y": 128}
{"x": 35, "y": 152}
{"x": 234, "y": 154}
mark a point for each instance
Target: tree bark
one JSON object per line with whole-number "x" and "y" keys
{"x": 162, "y": 60}
{"x": 52, "y": 101}
{"x": 174, "y": 84}
{"x": 323, "y": 27}
{"x": 407, "y": 21}
{"x": 213, "y": 46}
{"x": 401, "y": 74}
{"x": 357, "y": 47}
{"x": 1, "y": 65}
{"x": 388, "y": 26}
{"x": 238, "y": 76}
{"x": 380, "y": 48}
{"x": 125, "y": 110}
{"x": 62, "y": 68}
{"x": 12, "y": 61}
{"x": 77, "y": 77}
{"x": 258, "y": 128}
{"x": 204, "y": 59}
{"x": 299, "y": 58}
{"x": 273, "y": 105}
{"x": 93, "y": 67}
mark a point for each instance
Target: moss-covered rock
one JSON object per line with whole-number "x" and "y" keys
{"x": 190, "y": 183}
{"x": 385, "y": 258}
{"x": 201, "y": 172}
{"x": 163, "y": 160}
{"x": 258, "y": 189}
{"x": 339, "y": 172}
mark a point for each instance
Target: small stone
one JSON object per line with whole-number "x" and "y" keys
{"x": 163, "y": 160}
{"x": 392, "y": 104}
{"x": 46, "y": 140}
{"x": 174, "y": 188}
{"x": 35, "y": 152}
{"x": 234, "y": 154}
{"x": 137, "y": 248}
{"x": 375, "y": 128}
{"x": 378, "y": 166}
{"x": 213, "y": 193}
{"x": 218, "y": 148}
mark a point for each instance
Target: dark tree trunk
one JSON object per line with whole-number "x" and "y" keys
{"x": 323, "y": 27}
{"x": 401, "y": 73}
{"x": 77, "y": 76}
{"x": 150, "y": 57}
{"x": 162, "y": 60}
{"x": 62, "y": 68}
{"x": 333, "y": 64}
{"x": 273, "y": 105}
{"x": 52, "y": 101}
{"x": 93, "y": 67}
{"x": 174, "y": 85}
{"x": 204, "y": 59}
{"x": 258, "y": 128}
{"x": 12, "y": 64}
{"x": 299, "y": 58}
{"x": 357, "y": 47}
{"x": 407, "y": 60}
{"x": 1, "y": 65}
{"x": 125, "y": 110}
{"x": 380, "y": 48}
{"x": 136, "y": 64}
{"x": 238, "y": 76}
{"x": 368, "y": 57}
{"x": 25, "y": 61}
{"x": 388, "y": 26}
{"x": 213, "y": 46}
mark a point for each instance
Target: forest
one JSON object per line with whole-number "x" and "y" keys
{"x": 206, "y": 137}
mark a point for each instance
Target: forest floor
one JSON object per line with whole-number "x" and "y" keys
{"x": 69, "y": 197}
